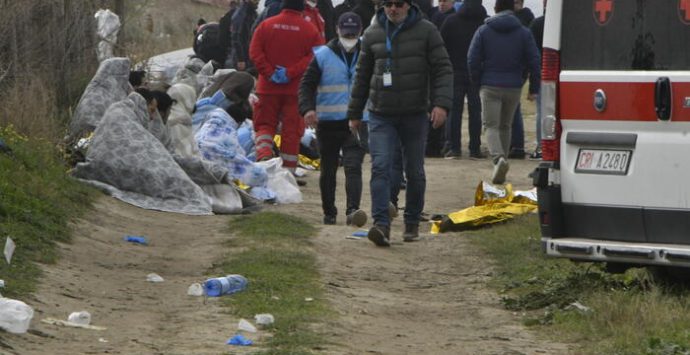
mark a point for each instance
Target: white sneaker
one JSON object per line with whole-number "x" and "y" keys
{"x": 500, "y": 171}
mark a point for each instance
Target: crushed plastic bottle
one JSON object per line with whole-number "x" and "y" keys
{"x": 15, "y": 316}
{"x": 264, "y": 319}
{"x": 195, "y": 289}
{"x": 244, "y": 325}
{"x": 227, "y": 285}
{"x": 81, "y": 318}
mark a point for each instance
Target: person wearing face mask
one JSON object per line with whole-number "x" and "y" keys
{"x": 323, "y": 97}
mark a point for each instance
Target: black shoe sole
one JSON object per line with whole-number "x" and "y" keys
{"x": 377, "y": 237}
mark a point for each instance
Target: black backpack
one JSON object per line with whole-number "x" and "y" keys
{"x": 207, "y": 43}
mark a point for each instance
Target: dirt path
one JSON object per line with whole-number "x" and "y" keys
{"x": 427, "y": 297}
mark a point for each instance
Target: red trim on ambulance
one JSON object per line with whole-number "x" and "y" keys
{"x": 625, "y": 101}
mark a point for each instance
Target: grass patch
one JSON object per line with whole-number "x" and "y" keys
{"x": 37, "y": 201}
{"x": 630, "y": 313}
{"x": 276, "y": 257}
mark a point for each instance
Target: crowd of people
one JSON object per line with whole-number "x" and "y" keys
{"x": 389, "y": 78}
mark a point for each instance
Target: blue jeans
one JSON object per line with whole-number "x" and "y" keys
{"x": 462, "y": 88}
{"x": 384, "y": 134}
{"x": 517, "y": 137}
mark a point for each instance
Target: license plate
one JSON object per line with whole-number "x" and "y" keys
{"x": 603, "y": 161}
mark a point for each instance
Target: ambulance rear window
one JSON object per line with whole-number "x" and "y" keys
{"x": 625, "y": 35}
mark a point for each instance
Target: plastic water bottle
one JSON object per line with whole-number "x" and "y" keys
{"x": 224, "y": 285}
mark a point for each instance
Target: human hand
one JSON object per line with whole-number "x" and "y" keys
{"x": 438, "y": 116}
{"x": 310, "y": 119}
{"x": 280, "y": 75}
{"x": 354, "y": 126}
{"x": 531, "y": 97}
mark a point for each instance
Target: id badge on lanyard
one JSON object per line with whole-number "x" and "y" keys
{"x": 387, "y": 75}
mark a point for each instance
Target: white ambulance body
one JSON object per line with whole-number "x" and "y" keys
{"x": 614, "y": 183}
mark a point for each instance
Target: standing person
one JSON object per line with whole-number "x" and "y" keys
{"x": 366, "y": 11}
{"x": 457, "y": 33}
{"x": 323, "y": 96}
{"x": 403, "y": 70}
{"x": 281, "y": 49}
{"x": 517, "y": 139}
{"x": 313, "y": 16}
{"x": 499, "y": 53}
{"x": 225, "y": 34}
{"x": 271, "y": 8}
{"x": 537, "y": 29}
{"x": 327, "y": 11}
{"x": 435, "y": 138}
{"x": 241, "y": 33}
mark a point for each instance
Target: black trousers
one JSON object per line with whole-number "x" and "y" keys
{"x": 334, "y": 137}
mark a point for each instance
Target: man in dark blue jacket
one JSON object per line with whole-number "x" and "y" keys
{"x": 457, "y": 32}
{"x": 499, "y": 53}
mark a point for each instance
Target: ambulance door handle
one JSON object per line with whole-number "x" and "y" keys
{"x": 662, "y": 98}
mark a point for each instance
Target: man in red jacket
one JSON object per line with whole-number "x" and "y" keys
{"x": 281, "y": 49}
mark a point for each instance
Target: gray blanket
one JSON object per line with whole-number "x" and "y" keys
{"x": 109, "y": 85}
{"x": 127, "y": 161}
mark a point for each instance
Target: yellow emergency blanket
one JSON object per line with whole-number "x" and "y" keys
{"x": 492, "y": 204}
{"x": 309, "y": 164}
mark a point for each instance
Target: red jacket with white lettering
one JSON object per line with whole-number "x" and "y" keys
{"x": 313, "y": 16}
{"x": 287, "y": 40}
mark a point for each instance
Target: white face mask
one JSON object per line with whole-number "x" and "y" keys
{"x": 347, "y": 43}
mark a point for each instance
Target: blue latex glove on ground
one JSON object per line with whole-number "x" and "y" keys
{"x": 280, "y": 75}
{"x": 240, "y": 340}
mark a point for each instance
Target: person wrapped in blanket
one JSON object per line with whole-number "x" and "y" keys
{"x": 215, "y": 124}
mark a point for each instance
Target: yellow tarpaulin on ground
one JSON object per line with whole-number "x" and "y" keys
{"x": 491, "y": 205}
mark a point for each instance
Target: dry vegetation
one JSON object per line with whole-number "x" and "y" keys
{"x": 48, "y": 52}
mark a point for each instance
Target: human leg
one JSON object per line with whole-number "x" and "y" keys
{"x": 412, "y": 142}
{"x": 383, "y": 140}
{"x": 474, "y": 108}
{"x": 491, "y": 116}
{"x": 330, "y": 141}
{"x": 292, "y": 130}
{"x": 517, "y": 135}
{"x": 265, "y": 124}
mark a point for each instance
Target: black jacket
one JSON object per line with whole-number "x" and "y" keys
{"x": 525, "y": 16}
{"x": 225, "y": 31}
{"x": 241, "y": 34}
{"x": 439, "y": 17}
{"x": 422, "y": 74}
{"x": 457, "y": 32}
{"x": 366, "y": 10}
{"x": 330, "y": 21}
{"x": 537, "y": 28}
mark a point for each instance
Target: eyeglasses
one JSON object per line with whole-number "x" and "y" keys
{"x": 398, "y": 4}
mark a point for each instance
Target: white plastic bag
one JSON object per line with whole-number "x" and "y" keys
{"x": 15, "y": 316}
{"x": 244, "y": 325}
{"x": 81, "y": 318}
{"x": 282, "y": 182}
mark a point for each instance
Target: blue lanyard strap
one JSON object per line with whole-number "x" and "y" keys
{"x": 389, "y": 44}
{"x": 351, "y": 64}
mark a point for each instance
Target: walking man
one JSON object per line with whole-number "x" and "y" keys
{"x": 281, "y": 49}
{"x": 323, "y": 96}
{"x": 403, "y": 71}
{"x": 499, "y": 53}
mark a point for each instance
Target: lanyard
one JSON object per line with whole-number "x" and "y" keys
{"x": 351, "y": 64}
{"x": 389, "y": 44}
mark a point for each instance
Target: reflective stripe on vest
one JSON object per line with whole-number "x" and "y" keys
{"x": 333, "y": 93}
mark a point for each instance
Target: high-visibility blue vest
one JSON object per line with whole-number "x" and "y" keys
{"x": 333, "y": 92}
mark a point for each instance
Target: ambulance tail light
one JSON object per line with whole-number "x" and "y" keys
{"x": 550, "y": 124}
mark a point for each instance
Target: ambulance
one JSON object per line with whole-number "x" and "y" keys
{"x": 614, "y": 182}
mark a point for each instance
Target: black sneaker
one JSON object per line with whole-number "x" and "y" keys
{"x": 477, "y": 156}
{"x": 380, "y": 235}
{"x": 356, "y": 218}
{"x": 411, "y": 233}
{"x": 301, "y": 182}
{"x": 330, "y": 220}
